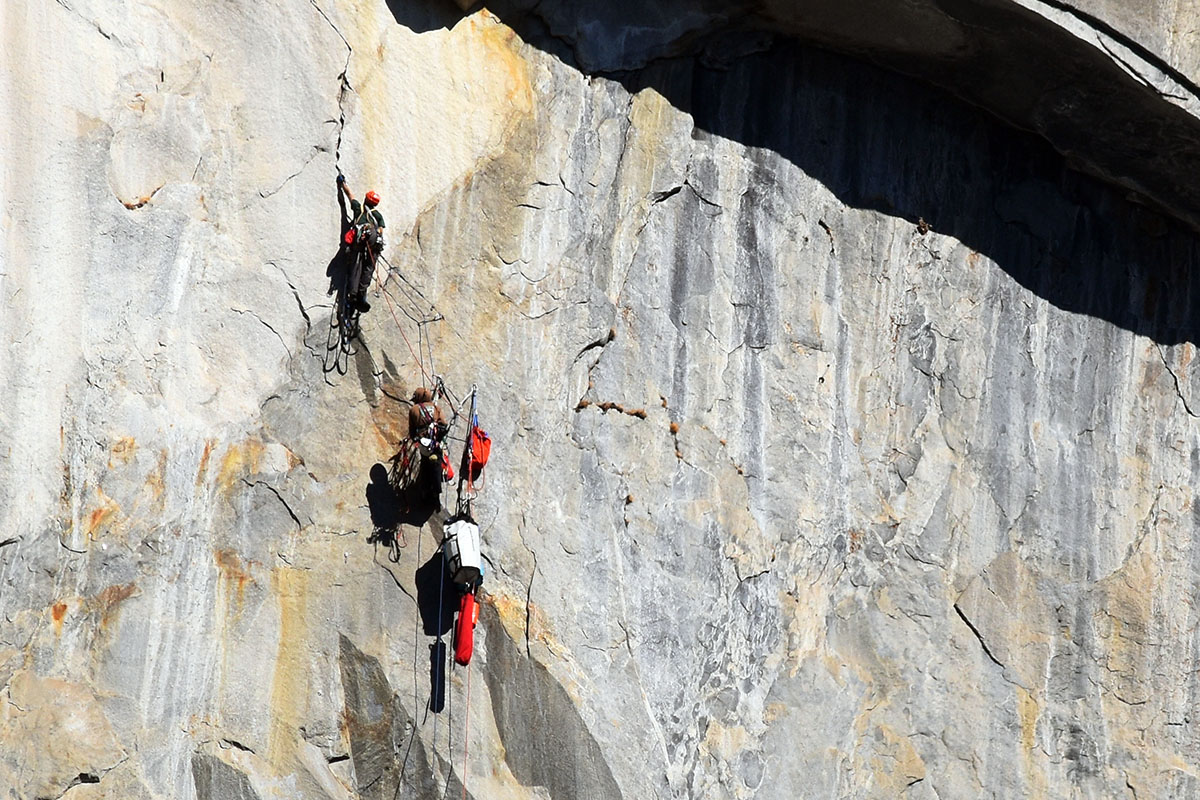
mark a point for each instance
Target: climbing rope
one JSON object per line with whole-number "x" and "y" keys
{"x": 416, "y": 357}
{"x": 423, "y": 354}
{"x": 466, "y": 734}
{"x": 440, "y": 389}
{"x": 463, "y": 503}
{"x": 392, "y": 270}
{"x": 424, "y": 350}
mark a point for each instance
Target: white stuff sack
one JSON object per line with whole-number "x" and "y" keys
{"x": 463, "y": 556}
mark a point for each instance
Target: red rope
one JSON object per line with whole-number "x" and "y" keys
{"x": 387, "y": 297}
{"x": 466, "y": 733}
{"x": 399, "y": 327}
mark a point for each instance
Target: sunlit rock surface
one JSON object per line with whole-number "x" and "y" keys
{"x": 845, "y": 437}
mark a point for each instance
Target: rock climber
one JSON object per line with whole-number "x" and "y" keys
{"x": 416, "y": 470}
{"x": 365, "y": 237}
{"x": 423, "y": 416}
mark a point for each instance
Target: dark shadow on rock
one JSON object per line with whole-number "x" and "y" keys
{"x": 216, "y": 780}
{"x": 370, "y": 720}
{"x": 421, "y": 503}
{"x": 343, "y": 322}
{"x": 546, "y": 742}
{"x": 390, "y": 509}
{"x": 384, "y": 506}
{"x": 1036, "y": 71}
{"x": 880, "y": 141}
{"x": 436, "y": 602}
{"x": 421, "y": 511}
{"x": 436, "y": 596}
{"x": 422, "y": 16}
{"x": 437, "y": 676}
{"x": 364, "y": 366}
{"x": 338, "y": 269}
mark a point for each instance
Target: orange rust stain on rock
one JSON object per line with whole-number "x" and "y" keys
{"x": 97, "y": 517}
{"x": 293, "y": 459}
{"x": 540, "y": 630}
{"x": 240, "y": 460}
{"x": 156, "y": 481}
{"x": 57, "y": 612}
{"x": 204, "y": 457}
{"x": 502, "y": 43}
{"x": 511, "y": 613}
{"x": 233, "y": 572}
{"x": 390, "y": 417}
{"x": 121, "y": 451}
{"x": 515, "y": 615}
{"x": 107, "y": 601}
{"x": 291, "y": 675}
{"x": 101, "y": 515}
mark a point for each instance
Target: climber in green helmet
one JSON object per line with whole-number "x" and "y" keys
{"x": 365, "y": 238}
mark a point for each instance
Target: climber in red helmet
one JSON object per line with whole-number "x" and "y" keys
{"x": 365, "y": 236}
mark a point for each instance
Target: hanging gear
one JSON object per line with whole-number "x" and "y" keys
{"x": 464, "y": 629}
{"x": 480, "y": 449}
{"x": 420, "y": 465}
{"x": 464, "y": 562}
{"x": 367, "y": 233}
{"x": 464, "y": 558}
{"x": 466, "y": 487}
{"x": 406, "y": 465}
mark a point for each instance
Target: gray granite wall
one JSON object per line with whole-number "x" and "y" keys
{"x": 844, "y": 435}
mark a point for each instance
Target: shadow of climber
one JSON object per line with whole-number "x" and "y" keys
{"x": 338, "y": 269}
{"x": 436, "y": 601}
{"x": 437, "y": 676}
{"x": 384, "y": 506}
{"x": 436, "y": 596}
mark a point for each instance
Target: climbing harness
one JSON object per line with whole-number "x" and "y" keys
{"x": 364, "y": 241}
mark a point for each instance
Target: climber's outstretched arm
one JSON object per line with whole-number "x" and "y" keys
{"x": 341, "y": 181}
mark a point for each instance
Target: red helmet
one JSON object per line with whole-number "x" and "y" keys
{"x": 372, "y": 199}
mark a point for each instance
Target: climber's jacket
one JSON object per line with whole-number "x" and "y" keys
{"x": 371, "y": 215}
{"x": 367, "y": 227}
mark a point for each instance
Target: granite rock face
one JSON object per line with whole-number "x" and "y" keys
{"x": 845, "y": 435}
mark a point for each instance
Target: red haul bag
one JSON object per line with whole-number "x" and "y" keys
{"x": 464, "y": 629}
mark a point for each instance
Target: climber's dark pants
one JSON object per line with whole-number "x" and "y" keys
{"x": 366, "y": 265}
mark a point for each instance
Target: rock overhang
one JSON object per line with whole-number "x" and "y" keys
{"x": 1099, "y": 80}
